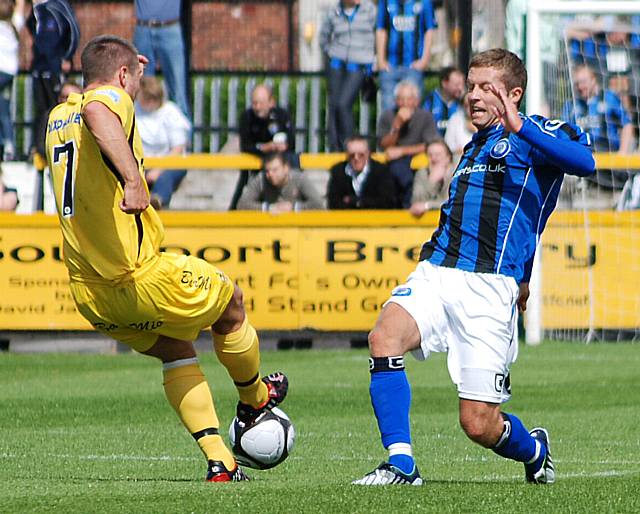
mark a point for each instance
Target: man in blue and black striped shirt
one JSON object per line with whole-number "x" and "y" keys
{"x": 404, "y": 35}
{"x": 474, "y": 273}
{"x": 444, "y": 101}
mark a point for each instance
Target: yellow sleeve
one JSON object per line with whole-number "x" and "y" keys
{"x": 117, "y": 100}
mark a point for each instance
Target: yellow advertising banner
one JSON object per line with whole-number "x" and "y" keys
{"x": 330, "y": 271}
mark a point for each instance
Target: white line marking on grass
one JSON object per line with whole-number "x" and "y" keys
{"x": 609, "y": 473}
{"x": 105, "y": 457}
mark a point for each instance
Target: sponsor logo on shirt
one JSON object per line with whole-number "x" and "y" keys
{"x": 481, "y": 168}
{"x": 404, "y": 23}
{"x": 114, "y": 95}
{"x": 59, "y": 124}
{"x": 553, "y": 125}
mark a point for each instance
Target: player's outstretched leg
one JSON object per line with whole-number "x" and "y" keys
{"x": 188, "y": 393}
{"x": 391, "y": 397}
{"x": 531, "y": 448}
{"x": 237, "y": 347}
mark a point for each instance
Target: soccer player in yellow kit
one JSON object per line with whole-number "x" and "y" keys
{"x": 155, "y": 302}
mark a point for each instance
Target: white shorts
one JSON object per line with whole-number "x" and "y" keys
{"x": 473, "y": 317}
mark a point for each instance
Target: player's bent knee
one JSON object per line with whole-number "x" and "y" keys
{"x": 385, "y": 344}
{"x": 168, "y": 350}
{"x": 233, "y": 316}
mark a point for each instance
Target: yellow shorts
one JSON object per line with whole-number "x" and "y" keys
{"x": 177, "y": 297}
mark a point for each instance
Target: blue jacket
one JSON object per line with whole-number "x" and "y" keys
{"x": 55, "y": 35}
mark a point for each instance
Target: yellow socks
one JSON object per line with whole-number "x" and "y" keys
{"x": 239, "y": 352}
{"x": 188, "y": 393}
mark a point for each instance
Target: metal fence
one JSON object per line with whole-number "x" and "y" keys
{"x": 218, "y": 102}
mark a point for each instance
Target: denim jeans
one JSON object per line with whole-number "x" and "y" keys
{"x": 165, "y": 45}
{"x": 167, "y": 183}
{"x": 344, "y": 86}
{"x": 389, "y": 80}
{"x": 403, "y": 178}
{"x": 6, "y": 125}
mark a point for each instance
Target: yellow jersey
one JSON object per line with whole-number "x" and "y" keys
{"x": 101, "y": 243}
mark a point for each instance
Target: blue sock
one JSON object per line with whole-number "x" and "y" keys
{"x": 516, "y": 443}
{"x": 391, "y": 399}
{"x": 403, "y": 462}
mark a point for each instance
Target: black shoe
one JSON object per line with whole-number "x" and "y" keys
{"x": 217, "y": 472}
{"x": 543, "y": 473}
{"x": 278, "y": 385}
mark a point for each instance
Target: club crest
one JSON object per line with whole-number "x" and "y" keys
{"x": 500, "y": 149}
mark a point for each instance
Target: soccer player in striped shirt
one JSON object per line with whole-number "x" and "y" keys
{"x": 474, "y": 273}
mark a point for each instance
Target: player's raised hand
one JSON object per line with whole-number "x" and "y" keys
{"x": 505, "y": 110}
{"x": 136, "y": 198}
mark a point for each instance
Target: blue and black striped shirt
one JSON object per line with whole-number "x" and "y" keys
{"x": 502, "y": 193}
{"x": 441, "y": 109}
{"x": 406, "y": 23}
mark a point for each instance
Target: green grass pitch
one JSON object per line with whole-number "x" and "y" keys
{"x": 93, "y": 433}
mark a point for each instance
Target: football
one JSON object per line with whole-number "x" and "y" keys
{"x": 265, "y": 443}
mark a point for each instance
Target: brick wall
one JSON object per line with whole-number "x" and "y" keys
{"x": 226, "y": 36}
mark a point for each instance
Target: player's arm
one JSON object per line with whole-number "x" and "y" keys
{"x": 570, "y": 156}
{"x": 105, "y": 126}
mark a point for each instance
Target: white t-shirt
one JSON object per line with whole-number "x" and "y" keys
{"x": 9, "y": 44}
{"x": 457, "y": 134}
{"x": 162, "y": 129}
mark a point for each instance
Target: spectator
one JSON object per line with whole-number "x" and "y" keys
{"x": 460, "y": 129}
{"x": 430, "y": 186}
{"x": 444, "y": 101}
{"x": 158, "y": 36}
{"x": 8, "y": 196}
{"x": 11, "y": 22}
{"x": 347, "y": 38}
{"x": 55, "y": 32}
{"x": 279, "y": 189}
{"x": 402, "y": 133}
{"x": 360, "y": 182}
{"x": 601, "y": 113}
{"x": 264, "y": 128}
{"x": 66, "y": 89}
{"x": 164, "y": 130}
{"x": 404, "y": 37}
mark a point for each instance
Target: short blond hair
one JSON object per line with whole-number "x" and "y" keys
{"x": 151, "y": 89}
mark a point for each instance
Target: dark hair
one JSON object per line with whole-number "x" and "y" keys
{"x": 104, "y": 55}
{"x": 447, "y": 71}
{"x": 356, "y": 137}
{"x": 274, "y": 156}
{"x": 514, "y": 74}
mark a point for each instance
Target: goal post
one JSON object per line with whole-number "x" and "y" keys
{"x": 586, "y": 240}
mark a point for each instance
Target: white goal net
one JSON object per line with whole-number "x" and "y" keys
{"x": 583, "y": 60}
